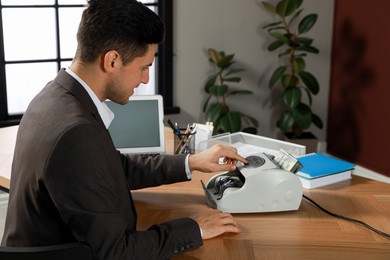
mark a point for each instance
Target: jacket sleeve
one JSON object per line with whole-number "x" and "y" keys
{"x": 143, "y": 172}
{"x": 85, "y": 180}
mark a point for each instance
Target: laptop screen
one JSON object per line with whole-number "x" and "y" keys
{"x": 138, "y": 126}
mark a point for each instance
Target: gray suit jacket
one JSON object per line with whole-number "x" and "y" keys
{"x": 69, "y": 183}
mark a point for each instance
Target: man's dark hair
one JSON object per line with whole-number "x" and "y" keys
{"x": 126, "y": 26}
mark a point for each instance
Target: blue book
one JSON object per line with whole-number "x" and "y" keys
{"x": 317, "y": 165}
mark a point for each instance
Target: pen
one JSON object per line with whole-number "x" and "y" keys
{"x": 186, "y": 143}
{"x": 171, "y": 125}
{"x": 178, "y": 130}
{"x": 182, "y": 140}
{"x": 188, "y": 137}
{"x": 175, "y": 128}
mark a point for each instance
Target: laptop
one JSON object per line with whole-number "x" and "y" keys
{"x": 138, "y": 126}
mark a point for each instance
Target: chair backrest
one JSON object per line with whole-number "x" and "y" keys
{"x": 71, "y": 251}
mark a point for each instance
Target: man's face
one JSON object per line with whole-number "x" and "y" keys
{"x": 128, "y": 77}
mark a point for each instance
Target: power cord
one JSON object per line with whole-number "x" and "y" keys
{"x": 347, "y": 218}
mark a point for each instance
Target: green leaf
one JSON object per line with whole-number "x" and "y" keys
{"x": 269, "y": 7}
{"x": 218, "y": 91}
{"x": 280, "y": 37}
{"x": 295, "y": 16}
{"x": 289, "y": 80}
{"x": 285, "y": 121}
{"x": 287, "y": 7}
{"x": 233, "y": 79}
{"x": 292, "y": 96}
{"x": 272, "y": 25}
{"x": 286, "y": 52}
{"x": 278, "y": 73}
{"x": 206, "y": 103}
{"x": 310, "y": 49}
{"x": 210, "y": 82}
{"x": 233, "y": 71}
{"x": 304, "y": 41}
{"x": 302, "y": 116}
{"x": 276, "y": 28}
{"x": 317, "y": 121}
{"x": 310, "y": 81}
{"x": 282, "y": 27}
{"x": 273, "y": 46}
{"x": 307, "y": 23}
{"x": 214, "y": 56}
{"x": 309, "y": 95}
{"x": 226, "y": 61}
{"x": 298, "y": 3}
{"x": 286, "y": 80}
{"x": 300, "y": 55}
{"x": 231, "y": 122}
{"x": 299, "y": 64}
{"x": 241, "y": 92}
{"x": 214, "y": 112}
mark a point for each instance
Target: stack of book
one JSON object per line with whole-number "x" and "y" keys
{"x": 319, "y": 170}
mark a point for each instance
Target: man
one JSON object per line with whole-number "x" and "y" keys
{"x": 68, "y": 182}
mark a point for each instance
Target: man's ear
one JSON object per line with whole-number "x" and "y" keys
{"x": 111, "y": 60}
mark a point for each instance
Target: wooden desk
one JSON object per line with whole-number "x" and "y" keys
{"x": 307, "y": 233}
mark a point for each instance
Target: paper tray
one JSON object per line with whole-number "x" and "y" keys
{"x": 256, "y": 140}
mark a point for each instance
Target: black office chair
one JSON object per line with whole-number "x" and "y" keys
{"x": 71, "y": 251}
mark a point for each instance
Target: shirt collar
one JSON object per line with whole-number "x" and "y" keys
{"x": 105, "y": 113}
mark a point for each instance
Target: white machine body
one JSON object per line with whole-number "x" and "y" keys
{"x": 260, "y": 186}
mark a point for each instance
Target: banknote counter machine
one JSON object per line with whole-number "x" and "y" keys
{"x": 266, "y": 184}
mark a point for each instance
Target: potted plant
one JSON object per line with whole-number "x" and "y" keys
{"x": 297, "y": 84}
{"x": 215, "y": 106}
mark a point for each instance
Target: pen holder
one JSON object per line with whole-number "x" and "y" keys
{"x": 184, "y": 143}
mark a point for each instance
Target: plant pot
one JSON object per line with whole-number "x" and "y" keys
{"x": 307, "y": 139}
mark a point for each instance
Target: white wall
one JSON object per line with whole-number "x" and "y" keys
{"x": 235, "y": 26}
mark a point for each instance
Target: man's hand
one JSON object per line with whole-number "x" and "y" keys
{"x": 214, "y": 223}
{"x": 208, "y": 160}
